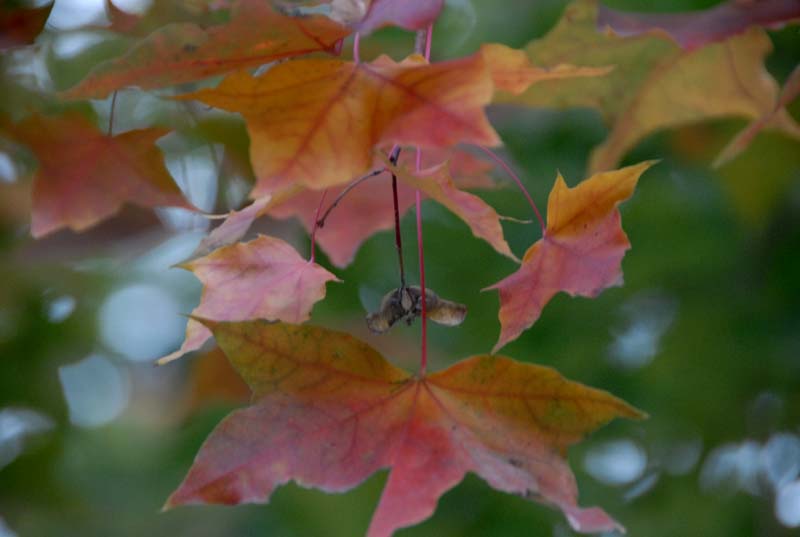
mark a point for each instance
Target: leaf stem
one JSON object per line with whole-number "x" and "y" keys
{"x": 423, "y": 364}
{"x": 517, "y": 180}
{"x": 312, "y": 258}
{"x": 111, "y": 115}
{"x": 357, "y": 48}
{"x": 398, "y": 238}
{"x": 428, "y": 41}
{"x": 422, "y": 45}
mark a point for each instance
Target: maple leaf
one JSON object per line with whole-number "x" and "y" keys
{"x": 481, "y": 218}
{"x": 157, "y": 15}
{"x": 85, "y": 176}
{"x": 305, "y": 117}
{"x": 513, "y": 72}
{"x": 233, "y": 228}
{"x": 369, "y": 208}
{"x": 408, "y": 14}
{"x": 328, "y": 411}
{"x": 19, "y": 25}
{"x": 580, "y": 253}
{"x": 184, "y": 52}
{"x": 655, "y": 84}
{"x": 213, "y": 380}
{"x": 694, "y": 29}
{"x": 790, "y": 91}
{"x": 364, "y": 211}
{"x": 262, "y": 279}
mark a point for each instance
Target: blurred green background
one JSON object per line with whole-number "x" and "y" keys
{"x": 704, "y": 335}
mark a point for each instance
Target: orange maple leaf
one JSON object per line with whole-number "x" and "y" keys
{"x": 580, "y": 253}
{"x": 184, "y": 52}
{"x": 85, "y": 176}
{"x": 328, "y": 411}
{"x": 315, "y": 122}
{"x": 262, "y": 279}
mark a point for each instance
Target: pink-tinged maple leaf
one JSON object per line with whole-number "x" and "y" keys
{"x": 328, "y": 411}
{"x": 408, "y": 14}
{"x": 262, "y": 279}
{"x": 580, "y": 253}
{"x": 692, "y": 30}
{"x": 306, "y": 117}
{"x": 85, "y": 176}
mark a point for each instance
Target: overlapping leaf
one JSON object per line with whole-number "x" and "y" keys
{"x": 184, "y": 52}
{"x": 481, "y": 218}
{"x": 408, "y": 14}
{"x": 694, "y": 29}
{"x": 262, "y": 279}
{"x": 789, "y": 92}
{"x": 214, "y": 381}
{"x": 328, "y": 411}
{"x": 581, "y": 251}
{"x": 233, "y": 228}
{"x": 85, "y": 176}
{"x": 513, "y": 72}
{"x": 20, "y": 25}
{"x": 364, "y": 211}
{"x": 369, "y": 208}
{"x": 306, "y": 118}
{"x": 655, "y": 84}
{"x": 160, "y": 14}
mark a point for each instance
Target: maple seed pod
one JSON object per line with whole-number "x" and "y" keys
{"x": 405, "y": 303}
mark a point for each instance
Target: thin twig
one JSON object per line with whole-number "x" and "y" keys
{"x": 422, "y": 46}
{"x": 111, "y": 115}
{"x": 398, "y": 238}
{"x": 517, "y": 180}
{"x": 320, "y": 222}
{"x": 356, "y": 48}
{"x": 423, "y": 364}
